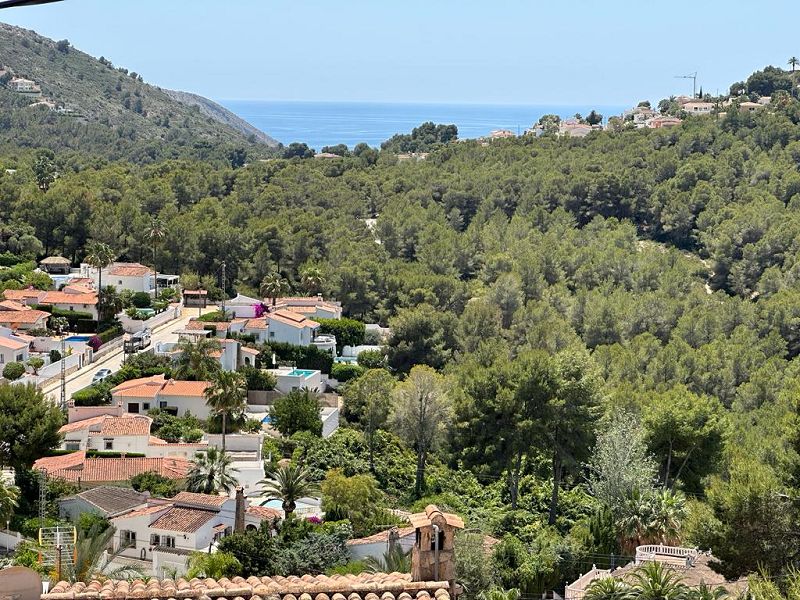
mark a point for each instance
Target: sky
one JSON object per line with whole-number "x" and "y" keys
{"x": 604, "y": 52}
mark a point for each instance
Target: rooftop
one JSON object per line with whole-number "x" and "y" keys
{"x": 112, "y": 500}
{"x": 129, "y": 270}
{"x": 76, "y": 467}
{"x": 206, "y": 500}
{"x": 186, "y": 520}
{"x": 366, "y": 586}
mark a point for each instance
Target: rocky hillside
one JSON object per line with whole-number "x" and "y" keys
{"x": 89, "y": 104}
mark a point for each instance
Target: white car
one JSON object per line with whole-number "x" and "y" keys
{"x": 101, "y": 375}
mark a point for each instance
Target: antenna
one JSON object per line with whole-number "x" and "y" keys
{"x": 693, "y": 77}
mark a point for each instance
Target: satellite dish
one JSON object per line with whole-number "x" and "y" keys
{"x": 20, "y": 583}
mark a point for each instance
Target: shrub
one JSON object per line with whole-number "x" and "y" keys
{"x": 251, "y": 426}
{"x": 55, "y": 356}
{"x": 304, "y": 357}
{"x": 297, "y": 411}
{"x": 346, "y": 371}
{"x": 171, "y": 432}
{"x": 257, "y": 379}
{"x": 156, "y": 484}
{"x": 141, "y": 300}
{"x": 348, "y": 332}
{"x": 35, "y": 363}
{"x": 192, "y": 436}
{"x": 109, "y": 334}
{"x": 372, "y": 359}
{"x": 213, "y": 317}
{"x": 94, "y": 395}
{"x": 95, "y": 342}
{"x": 13, "y": 370}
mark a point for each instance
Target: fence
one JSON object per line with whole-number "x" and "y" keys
{"x": 52, "y": 372}
{"x": 135, "y": 325}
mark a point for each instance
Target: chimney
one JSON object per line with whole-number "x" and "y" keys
{"x": 433, "y": 554}
{"x": 238, "y": 522}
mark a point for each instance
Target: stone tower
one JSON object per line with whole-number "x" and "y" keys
{"x": 433, "y": 554}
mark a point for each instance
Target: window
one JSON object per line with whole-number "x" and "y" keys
{"x": 108, "y": 444}
{"x": 2, "y": 359}
{"x": 133, "y": 407}
{"x": 72, "y": 445}
{"x": 162, "y": 404}
{"x": 145, "y": 406}
{"x": 119, "y": 281}
{"x": 20, "y": 358}
{"x": 127, "y": 538}
{"x": 168, "y": 541}
{"x": 155, "y": 539}
{"x": 271, "y": 334}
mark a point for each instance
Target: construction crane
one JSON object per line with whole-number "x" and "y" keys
{"x": 693, "y": 77}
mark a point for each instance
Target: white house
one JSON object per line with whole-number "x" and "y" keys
{"x": 178, "y": 397}
{"x": 698, "y": 108}
{"x": 289, "y": 379}
{"x": 105, "y": 500}
{"x": 166, "y": 532}
{"x": 135, "y": 277}
{"x": 314, "y": 307}
{"x": 73, "y": 298}
{"x": 291, "y": 328}
{"x": 244, "y": 306}
{"x": 17, "y": 316}
{"x": 12, "y": 348}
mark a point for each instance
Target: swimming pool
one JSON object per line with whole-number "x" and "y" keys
{"x": 267, "y": 419}
{"x": 300, "y": 373}
{"x": 78, "y": 338}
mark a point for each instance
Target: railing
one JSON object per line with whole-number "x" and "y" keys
{"x": 576, "y": 589}
{"x": 652, "y": 551}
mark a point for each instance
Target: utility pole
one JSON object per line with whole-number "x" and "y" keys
{"x": 223, "y": 289}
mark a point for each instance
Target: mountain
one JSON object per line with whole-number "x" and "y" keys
{"x": 88, "y": 104}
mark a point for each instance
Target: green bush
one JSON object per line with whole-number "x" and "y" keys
{"x": 192, "y": 436}
{"x": 55, "y": 356}
{"x": 94, "y": 395}
{"x": 297, "y": 411}
{"x": 342, "y": 372}
{"x": 13, "y": 370}
{"x": 213, "y": 317}
{"x": 304, "y": 357}
{"x": 141, "y": 300}
{"x": 258, "y": 379}
{"x": 372, "y": 359}
{"x": 348, "y": 332}
{"x": 110, "y": 333}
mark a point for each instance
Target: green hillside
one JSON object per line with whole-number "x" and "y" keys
{"x": 107, "y": 110}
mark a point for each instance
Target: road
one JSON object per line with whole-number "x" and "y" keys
{"x": 83, "y": 377}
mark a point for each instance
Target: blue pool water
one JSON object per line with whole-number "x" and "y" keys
{"x": 267, "y": 419}
{"x": 78, "y": 338}
{"x": 300, "y": 373}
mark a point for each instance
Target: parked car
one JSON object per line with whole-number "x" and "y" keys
{"x": 101, "y": 375}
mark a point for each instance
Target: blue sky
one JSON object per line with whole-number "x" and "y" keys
{"x": 493, "y": 51}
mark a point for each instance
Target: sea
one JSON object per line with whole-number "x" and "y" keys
{"x": 321, "y": 124}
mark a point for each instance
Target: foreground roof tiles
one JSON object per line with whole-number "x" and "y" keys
{"x": 366, "y": 586}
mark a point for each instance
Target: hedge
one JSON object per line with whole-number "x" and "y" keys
{"x": 304, "y": 357}
{"x": 110, "y": 333}
{"x": 13, "y": 370}
{"x": 342, "y": 372}
{"x": 94, "y": 395}
{"x": 348, "y": 332}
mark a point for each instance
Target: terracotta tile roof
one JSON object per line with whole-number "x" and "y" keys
{"x": 22, "y": 294}
{"x": 292, "y": 319}
{"x": 77, "y": 288}
{"x": 74, "y": 466}
{"x": 195, "y": 325}
{"x": 194, "y": 499}
{"x": 260, "y": 323}
{"x": 144, "y": 387}
{"x": 112, "y": 500}
{"x": 133, "y": 425}
{"x": 381, "y": 536}
{"x": 12, "y": 305}
{"x": 185, "y": 388}
{"x": 21, "y": 317}
{"x": 83, "y": 424}
{"x": 69, "y": 298}
{"x": 366, "y": 586}
{"x": 12, "y": 344}
{"x": 151, "y": 509}
{"x": 265, "y": 513}
{"x": 252, "y": 351}
{"x": 180, "y": 518}
{"x": 156, "y": 441}
{"x": 58, "y": 464}
{"x": 129, "y": 270}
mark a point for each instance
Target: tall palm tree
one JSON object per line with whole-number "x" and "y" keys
{"x": 288, "y": 484}
{"x": 212, "y": 472}
{"x": 654, "y": 581}
{"x": 196, "y": 359}
{"x": 273, "y": 286}
{"x": 311, "y": 279}
{"x": 793, "y": 62}
{"x": 9, "y": 500}
{"x": 156, "y": 233}
{"x": 99, "y": 256}
{"x": 609, "y": 588}
{"x": 112, "y": 301}
{"x": 226, "y": 396}
{"x": 668, "y": 512}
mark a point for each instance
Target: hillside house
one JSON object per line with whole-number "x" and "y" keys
{"x": 103, "y": 500}
{"x": 698, "y": 108}
{"x": 291, "y": 328}
{"x": 166, "y": 532}
{"x": 313, "y": 307}
{"x": 12, "y": 348}
{"x": 24, "y": 86}
{"x": 134, "y": 277}
{"x": 177, "y": 397}
{"x": 72, "y": 298}
{"x": 19, "y": 317}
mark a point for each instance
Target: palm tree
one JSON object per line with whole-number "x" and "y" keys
{"x": 497, "y": 593}
{"x": 395, "y": 560}
{"x": 90, "y": 551}
{"x": 156, "y": 234}
{"x": 273, "y": 286}
{"x": 288, "y": 484}
{"x": 112, "y": 301}
{"x": 609, "y": 588}
{"x": 212, "y": 472}
{"x": 196, "y": 359}
{"x": 99, "y": 256}
{"x": 311, "y": 279}
{"x": 9, "y": 500}
{"x": 668, "y": 511}
{"x": 793, "y": 62}
{"x": 654, "y": 581}
{"x": 706, "y": 592}
{"x": 226, "y": 396}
